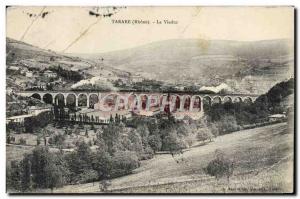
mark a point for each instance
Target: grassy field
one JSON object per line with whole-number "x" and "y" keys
{"x": 263, "y": 163}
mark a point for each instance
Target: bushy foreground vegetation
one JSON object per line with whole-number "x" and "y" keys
{"x": 119, "y": 151}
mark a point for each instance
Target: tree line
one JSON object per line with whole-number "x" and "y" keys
{"x": 230, "y": 117}
{"x": 70, "y": 75}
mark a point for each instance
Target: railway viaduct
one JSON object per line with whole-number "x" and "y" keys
{"x": 183, "y": 100}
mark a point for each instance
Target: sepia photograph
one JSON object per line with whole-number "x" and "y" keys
{"x": 150, "y": 100}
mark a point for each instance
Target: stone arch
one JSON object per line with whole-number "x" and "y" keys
{"x": 163, "y": 99}
{"x": 48, "y": 98}
{"x": 237, "y": 100}
{"x": 93, "y": 99}
{"x": 207, "y": 101}
{"x": 217, "y": 100}
{"x": 227, "y": 99}
{"x": 186, "y": 102}
{"x": 175, "y": 102}
{"x": 144, "y": 101}
{"x": 196, "y": 103}
{"x": 36, "y": 96}
{"x": 59, "y": 99}
{"x": 110, "y": 99}
{"x": 132, "y": 101}
{"x": 247, "y": 100}
{"x": 154, "y": 100}
{"x": 71, "y": 100}
{"x": 82, "y": 99}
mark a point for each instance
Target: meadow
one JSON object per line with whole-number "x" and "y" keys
{"x": 263, "y": 163}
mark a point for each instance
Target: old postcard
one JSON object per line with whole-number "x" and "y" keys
{"x": 169, "y": 100}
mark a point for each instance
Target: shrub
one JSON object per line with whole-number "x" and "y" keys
{"x": 214, "y": 130}
{"x": 227, "y": 124}
{"x": 136, "y": 141}
{"x": 204, "y": 134}
{"x": 147, "y": 154}
{"x": 220, "y": 166}
{"x": 155, "y": 142}
{"x": 173, "y": 143}
{"x": 57, "y": 139}
{"x": 22, "y": 141}
{"x": 123, "y": 163}
{"x": 103, "y": 185}
{"x": 39, "y": 121}
{"x": 88, "y": 176}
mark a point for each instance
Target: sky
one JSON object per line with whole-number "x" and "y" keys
{"x": 74, "y": 30}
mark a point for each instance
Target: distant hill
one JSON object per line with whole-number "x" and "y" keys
{"x": 239, "y": 64}
{"x": 246, "y": 67}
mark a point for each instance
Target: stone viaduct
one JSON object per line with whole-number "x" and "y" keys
{"x": 183, "y": 100}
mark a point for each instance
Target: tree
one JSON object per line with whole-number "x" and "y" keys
{"x": 88, "y": 176}
{"x": 79, "y": 161}
{"x": 136, "y": 140}
{"x": 35, "y": 122}
{"x": 103, "y": 185}
{"x": 144, "y": 133}
{"x": 57, "y": 139}
{"x": 227, "y": 124}
{"x": 102, "y": 163}
{"x": 204, "y": 134}
{"x": 39, "y": 159}
{"x": 22, "y": 141}
{"x": 76, "y": 131}
{"x": 220, "y": 167}
{"x": 117, "y": 119}
{"x": 83, "y": 151}
{"x": 155, "y": 142}
{"x": 8, "y": 138}
{"x": 173, "y": 143}
{"x": 110, "y": 136}
{"x": 14, "y": 176}
{"x": 26, "y": 181}
{"x": 45, "y": 140}
{"x": 123, "y": 163}
{"x": 40, "y": 169}
{"x": 214, "y": 130}
{"x": 54, "y": 176}
{"x": 111, "y": 119}
{"x": 124, "y": 119}
{"x": 92, "y": 126}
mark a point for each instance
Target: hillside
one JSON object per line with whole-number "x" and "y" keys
{"x": 23, "y": 58}
{"x": 263, "y": 164}
{"x": 245, "y": 66}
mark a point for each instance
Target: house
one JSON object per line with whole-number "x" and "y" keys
{"x": 35, "y": 110}
{"x": 17, "y": 119}
{"x": 23, "y": 71}
{"x": 277, "y": 117}
{"x": 39, "y": 86}
{"x": 136, "y": 78}
{"x": 15, "y": 68}
{"x": 49, "y": 74}
{"x": 9, "y": 91}
{"x": 29, "y": 74}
